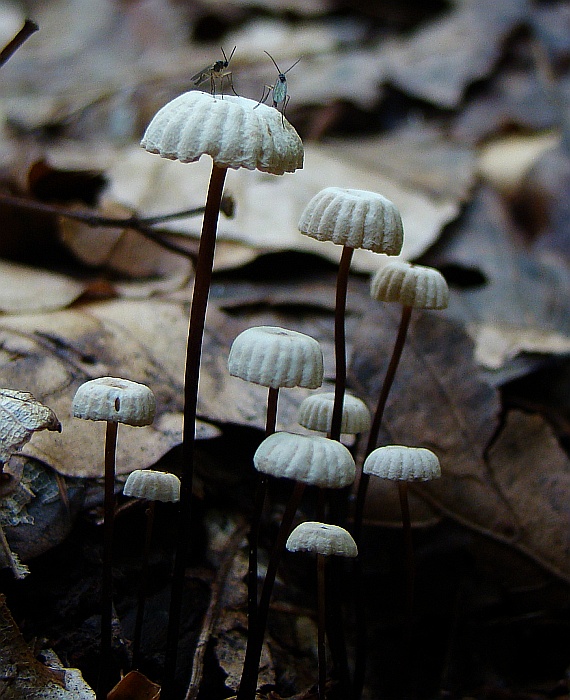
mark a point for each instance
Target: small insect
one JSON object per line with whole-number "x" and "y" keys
{"x": 280, "y": 97}
{"x": 217, "y": 71}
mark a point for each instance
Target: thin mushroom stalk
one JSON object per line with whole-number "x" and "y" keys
{"x": 114, "y": 401}
{"x": 273, "y": 357}
{"x": 150, "y": 486}
{"x": 236, "y": 134}
{"x": 202, "y": 282}
{"x": 413, "y": 286}
{"x": 306, "y": 459}
{"x": 324, "y": 540}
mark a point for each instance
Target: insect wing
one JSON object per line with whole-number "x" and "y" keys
{"x": 202, "y": 75}
{"x": 280, "y": 91}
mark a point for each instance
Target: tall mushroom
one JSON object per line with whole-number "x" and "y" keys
{"x": 325, "y": 540}
{"x": 237, "y": 133}
{"x": 273, "y": 357}
{"x": 353, "y": 219}
{"x": 114, "y": 401}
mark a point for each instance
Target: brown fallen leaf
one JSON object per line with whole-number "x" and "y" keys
{"x": 134, "y": 686}
{"x": 513, "y": 486}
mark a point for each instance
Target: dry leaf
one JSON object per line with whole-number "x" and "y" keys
{"x": 134, "y": 686}
{"x": 30, "y": 290}
{"x": 21, "y": 415}
{"x": 516, "y": 491}
{"x": 23, "y": 676}
{"x": 438, "y": 61}
{"x": 523, "y": 303}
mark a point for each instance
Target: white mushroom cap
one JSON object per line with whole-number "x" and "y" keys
{"x": 411, "y": 285}
{"x": 315, "y": 413}
{"x": 322, "y": 539}
{"x": 400, "y": 463}
{"x": 115, "y": 400}
{"x": 235, "y": 131}
{"x": 354, "y": 218}
{"x": 312, "y": 459}
{"x": 153, "y": 485}
{"x": 276, "y": 357}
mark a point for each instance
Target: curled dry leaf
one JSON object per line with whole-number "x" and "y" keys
{"x": 134, "y": 686}
{"x": 21, "y": 415}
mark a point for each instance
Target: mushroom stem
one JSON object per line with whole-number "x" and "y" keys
{"x": 360, "y": 653}
{"x": 202, "y": 280}
{"x": 253, "y": 537}
{"x": 248, "y": 684}
{"x": 103, "y": 685}
{"x": 143, "y": 584}
{"x": 340, "y": 340}
{"x": 408, "y": 545}
{"x": 321, "y": 647}
{"x": 378, "y": 415}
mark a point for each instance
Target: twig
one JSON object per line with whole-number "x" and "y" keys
{"x": 213, "y": 612}
{"x": 12, "y": 46}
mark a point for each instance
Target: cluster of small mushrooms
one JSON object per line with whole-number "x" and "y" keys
{"x": 240, "y": 133}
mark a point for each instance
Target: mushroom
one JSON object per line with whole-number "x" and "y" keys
{"x": 325, "y": 540}
{"x": 237, "y": 133}
{"x": 315, "y": 413}
{"x": 115, "y": 401}
{"x": 353, "y": 219}
{"x": 151, "y": 486}
{"x": 273, "y": 357}
{"x": 414, "y": 286}
{"x": 307, "y": 459}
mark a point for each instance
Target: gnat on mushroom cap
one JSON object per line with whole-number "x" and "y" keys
{"x": 315, "y": 413}
{"x": 354, "y": 218}
{"x": 153, "y": 485}
{"x": 411, "y": 285}
{"x": 235, "y": 131}
{"x": 323, "y": 539}
{"x": 115, "y": 400}
{"x": 312, "y": 459}
{"x": 276, "y": 357}
{"x": 399, "y": 463}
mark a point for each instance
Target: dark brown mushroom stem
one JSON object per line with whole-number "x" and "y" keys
{"x": 248, "y": 684}
{"x": 259, "y": 500}
{"x": 202, "y": 281}
{"x": 103, "y": 682}
{"x": 143, "y": 584}
{"x": 28, "y": 28}
{"x": 340, "y": 341}
{"x": 336, "y": 632}
{"x": 408, "y": 548}
{"x": 360, "y": 653}
{"x": 321, "y": 621}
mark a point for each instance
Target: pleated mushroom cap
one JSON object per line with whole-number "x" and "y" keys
{"x": 153, "y": 486}
{"x": 315, "y": 413}
{"x": 276, "y": 357}
{"x": 399, "y": 463}
{"x": 235, "y": 131}
{"x": 115, "y": 400}
{"x": 314, "y": 460}
{"x": 354, "y": 218}
{"x": 412, "y": 285}
{"x": 322, "y": 539}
